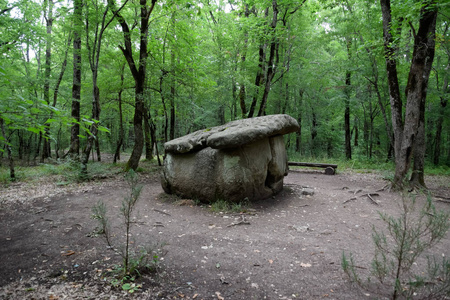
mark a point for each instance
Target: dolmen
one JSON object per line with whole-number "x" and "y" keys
{"x": 240, "y": 160}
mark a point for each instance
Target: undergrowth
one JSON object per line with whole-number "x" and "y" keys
{"x": 397, "y": 250}
{"x": 136, "y": 260}
{"x": 224, "y": 206}
{"x": 64, "y": 171}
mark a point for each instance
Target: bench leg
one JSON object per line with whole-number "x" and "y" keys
{"x": 330, "y": 171}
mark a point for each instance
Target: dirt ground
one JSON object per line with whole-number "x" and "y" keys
{"x": 286, "y": 247}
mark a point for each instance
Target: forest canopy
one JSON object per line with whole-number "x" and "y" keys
{"x": 90, "y": 76}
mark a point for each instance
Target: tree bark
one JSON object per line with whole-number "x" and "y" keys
{"x": 76, "y": 86}
{"x": 12, "y": 174}
{"x": 417, "y": 176}
{"x": 416, "y": 91}
{"x": 258, "y": 80}
{"x": 348, "y": 135}
{"x": 148, "y": 136}
{"x": 48, "y": 16}
{"x": 271, "y": 65}
{"x": 298, "y": 134}
{"x": 242, "y": 94}
{"x": 443, "y": 103}
{"x": 405, "y": 133}
{"x": 121, "y": 131}
{"x": 139, "y": 75}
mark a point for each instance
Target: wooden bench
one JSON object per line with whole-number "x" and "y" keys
{"x": 330, "y": 169}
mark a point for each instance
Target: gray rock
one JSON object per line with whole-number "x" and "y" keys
{"x": 241, "y": 159}
{"x": 307, "y": 191}
{"x": 233, "y": 134}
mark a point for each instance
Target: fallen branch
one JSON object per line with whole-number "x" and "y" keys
{"x": 443, "y": 200}
{"x": 162, "y": 212}
{"x": 386, "y": 187}
{"x": 369, "y": 195}
{"x": 353, "y": 198}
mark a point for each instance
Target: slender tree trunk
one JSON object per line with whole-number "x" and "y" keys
{"x": 356, "y": 130}
{"x": 417, "y": 176}
{"x": 440, "y": 120}
{"x": 348, "y": 135}
{"x": 260, "y": 73}
{"x": 271, "y": 65}
{"x": 298, "y": 134}
{"x": 48, "y": 16}
{"x": 38, "y": 146}
{"x": 172, "y": 112}
{"x": 242, "y": 94}
{"x": 12, "y": 174}
{"x": 121, "y": 131}
{"x": 172, "y": 90}
{"x": 258, "y": 80}
{"x": 313, "y": 131}
{"x": 20, "y": 148}
{"x": 148, "y": 136}
{"x": 74, "y": 150}
{"x": 438, "y": 138}
{"x": 139, "y": 75}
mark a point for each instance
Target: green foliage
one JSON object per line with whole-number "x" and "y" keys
{"x": 135, "y": 261}
{"x": 408, "y": 237}
{"x": 202, "y": 55}
{"x": 63, "y": 172}
{"x": 224, "y": 206}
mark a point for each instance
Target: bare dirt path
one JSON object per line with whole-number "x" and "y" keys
{"x": 286, "y": 247}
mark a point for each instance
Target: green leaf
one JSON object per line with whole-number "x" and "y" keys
{"x": 35, "y": 110}
{"x": 34, "y": 129}
{"x": 49, "y": 121}
{"x": 102, "y": 128}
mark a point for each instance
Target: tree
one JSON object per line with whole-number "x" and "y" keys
{"x": 406, "y": 130}
{"x": 74, "y": 150}
{"x": 139, "y": 73}
{"x": 94, "y": 46}
{"x": 443, "y": 97}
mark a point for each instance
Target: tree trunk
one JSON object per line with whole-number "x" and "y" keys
{"x": 416, "y": 93}
{"x": 313, "y": 131}
{"x": 260, "y": 73}
{"x": 356, "y": 129}
{"x": 417, "y": 176}
{"x": 139, "y": 75}
{"x": 76, "y": 86}
{"x": 405, "y": 134}
{"x": 121, "y": 131}
{"x": 437, "y": 138}
{"x": 271, "y": 65}
{"x": 258, "y": 80}
{"x": 298, "y": 134}
{"x": 444, "y": 100}
{"x": 148, "y": 136}
{"x": 172, "y": 113}
{"x": 48, "y": 16}
{"x": 348, "y": 135}
{"x": 172, "y": 92}
{"x": 12, "y": 174}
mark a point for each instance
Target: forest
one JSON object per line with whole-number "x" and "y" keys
{"x": 366, "y": 80}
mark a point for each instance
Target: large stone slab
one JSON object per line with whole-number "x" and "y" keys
{"x": 233, "y": 134}
{"x": 239, "y": 160}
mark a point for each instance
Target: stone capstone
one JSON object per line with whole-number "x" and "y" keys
{"x": 241, "y": 159}
{"x": 233, "y": 134}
